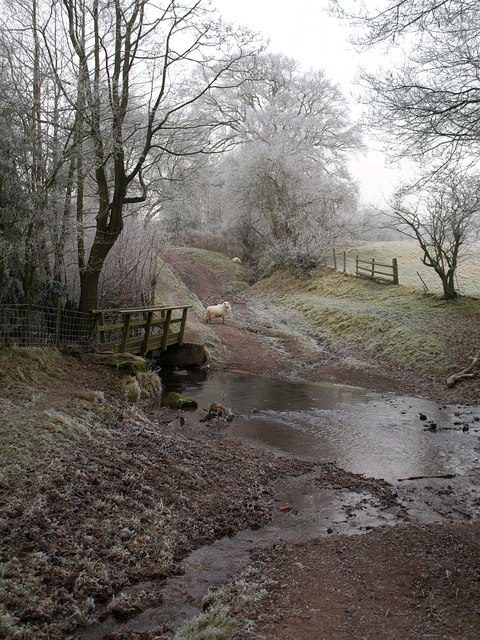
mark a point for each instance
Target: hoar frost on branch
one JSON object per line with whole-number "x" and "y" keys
{"x": 115, "y": 88}
{"x": 428, "y": 103}
{"x": 287, "y": 185}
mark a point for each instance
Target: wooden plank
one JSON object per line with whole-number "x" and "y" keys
{"x": 379, "y": 264}
{"x": 172, "y": 339}
{"x": 140, "y": 310}
{"x": 120, "y": 325}
{"x": 182, "y": 326}
{"x": 380, "y": 279}
{"x": 369, "y": 269}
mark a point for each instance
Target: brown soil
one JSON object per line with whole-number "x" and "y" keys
{"x": 404, "y": 582}
{"x": 397, "y": 583}
{"x": 119, "y": 500}
{"x": 86, "y": 524}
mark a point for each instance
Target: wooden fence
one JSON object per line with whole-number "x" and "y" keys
{"x": 371, "y": 269}
{"x": 139, "y": 331}
{"x": 377, "y": 270}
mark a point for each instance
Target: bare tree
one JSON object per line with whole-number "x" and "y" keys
{"x": 138, "y": 69}
{"x": 428, "y": 104}
{"x": 442, "y": 220}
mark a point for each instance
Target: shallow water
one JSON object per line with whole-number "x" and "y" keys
{"x": 374, "y": 434}
{"x": 378, "y": 435}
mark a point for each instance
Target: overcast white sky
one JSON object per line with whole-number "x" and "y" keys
{"x": 303, "y": 30}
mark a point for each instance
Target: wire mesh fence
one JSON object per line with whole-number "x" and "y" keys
{"x": 34, "y": 326}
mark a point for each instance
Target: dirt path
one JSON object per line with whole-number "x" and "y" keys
{"x": 397, "y": 583}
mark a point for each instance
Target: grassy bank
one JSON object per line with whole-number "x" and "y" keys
{"x": 97, "y": 494}
{"x": 399, "y": 325}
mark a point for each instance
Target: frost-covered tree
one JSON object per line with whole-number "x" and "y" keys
{"x": 441, "y": 218}
{"x": 287, "y": 185}
{"x": 427, "y": 101}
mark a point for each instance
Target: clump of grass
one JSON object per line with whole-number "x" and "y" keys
{"x": 227, "y": 609}
{"x": 24, "y": 371}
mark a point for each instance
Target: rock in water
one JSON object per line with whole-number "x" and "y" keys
{"x": 175, "y": 400}
{"x": 217, "y": 411}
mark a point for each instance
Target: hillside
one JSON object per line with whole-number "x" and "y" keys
{"x": 326, "y": 326}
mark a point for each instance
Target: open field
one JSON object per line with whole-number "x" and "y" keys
{"x": 409, "y": 256}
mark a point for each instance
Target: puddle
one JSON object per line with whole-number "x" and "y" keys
{"x": 378, "y": 435}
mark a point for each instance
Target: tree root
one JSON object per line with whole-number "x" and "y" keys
{"x": 467, "y": 374}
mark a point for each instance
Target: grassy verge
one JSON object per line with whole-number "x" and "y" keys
{"x": 399, "y": 325}
{"x": 219, "y": 263}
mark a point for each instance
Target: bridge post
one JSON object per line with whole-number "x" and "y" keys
{"x": 126, "y": 331}
{"x": 166, "y": 326}
{"x": 182, "y": 326}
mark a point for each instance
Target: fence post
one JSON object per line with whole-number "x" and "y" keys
{"x": 373, "y": 267}
{"x": 58, "y": 321}
{"x": 334, "y": 260}
{"x": 344, "y": 262}
{"x": 395, "y": 271}
{"x": 126, "y": 331}
{"x": 356, "y": 265}
{"x": 182, "y": 326}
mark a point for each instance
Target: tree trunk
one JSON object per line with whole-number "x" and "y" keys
{"x": 448, "y": 284}
{"x": 89, "y": 281}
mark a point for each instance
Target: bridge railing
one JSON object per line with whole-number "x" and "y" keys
{"x": 140, "y": 330}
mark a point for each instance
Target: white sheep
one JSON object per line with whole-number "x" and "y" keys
{"x": 236, "y": 260}
{"x": 218, "y": 311}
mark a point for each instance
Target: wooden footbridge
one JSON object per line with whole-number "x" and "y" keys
{"x": 139, "y": 331}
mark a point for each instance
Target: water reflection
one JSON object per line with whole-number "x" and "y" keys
{"x": 374, "y": 434}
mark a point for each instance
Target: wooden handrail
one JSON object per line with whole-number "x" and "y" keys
{"x": 143, "y": 309}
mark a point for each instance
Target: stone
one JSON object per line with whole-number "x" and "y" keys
{"x": 217, "y": 411}
{"x": 186, "y": 356}
{"x": 174, "y": 400}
